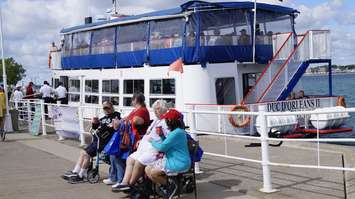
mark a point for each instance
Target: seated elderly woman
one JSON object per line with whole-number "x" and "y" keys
{"x": 175, "y": 147}
{"x": 146, "y": 154}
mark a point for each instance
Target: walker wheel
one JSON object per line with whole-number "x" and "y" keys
{"x": 93, "y": 176}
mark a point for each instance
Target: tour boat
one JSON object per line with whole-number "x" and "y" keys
{"x": 233, "y": 57}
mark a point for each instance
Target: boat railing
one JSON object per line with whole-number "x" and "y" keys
{"x": 284, "y": 44}
{"x": 29, "y": 109}
{"x": 318, "y": 45}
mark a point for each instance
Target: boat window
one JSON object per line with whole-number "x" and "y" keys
{"x": 127, "y": 101}
{"x": 249, "y": 81}
{"x": 132, "y": 37}
{"x": 110, "y": 86}
{"x": 92, "y": 86}
{"x": 110, "y": 91}
{"x": 81, "y": 43}
{"x": 162, "y": 87}
{"x": 166, "y": 33}
{"x": 55, "y": 82}
{"x": 269, "y": 23}
{"x": 225, "y": 28}
{"x": 170, "y": 101}
{"x": 91, "y": 99}
{"x": 191, "y": 32}
{"x": 114, "y": 100}
{"x": 225, "y": 91}
{"x": 67, "y": 45}
{"x": 133, "y": 86}
{"x": 74, "y": 90}
{"x": 103, "y": 41}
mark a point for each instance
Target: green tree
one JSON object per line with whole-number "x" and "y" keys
{"x": 15, "y": 71}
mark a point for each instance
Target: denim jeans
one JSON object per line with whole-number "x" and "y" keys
{"x": 117, "y": 168}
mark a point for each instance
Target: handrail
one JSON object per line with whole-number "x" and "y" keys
{"x": 267, "y": 67}
{"x": 264, "y": 139}
{"x": 283, "y": 66}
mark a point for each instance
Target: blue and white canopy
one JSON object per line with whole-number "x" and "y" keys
{"x": 189, "y": 6}
{"x": 198, "y": 32}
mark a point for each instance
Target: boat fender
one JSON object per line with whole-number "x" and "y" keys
{"x": 245, "y": 122}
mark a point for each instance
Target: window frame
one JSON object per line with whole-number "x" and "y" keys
{"x": 130, "y": 95}
{"x": 111, "y": 95}
{"x": 153, "y": 96}
{"x": 73, "y": 93}
{"x": 91, "y": 93}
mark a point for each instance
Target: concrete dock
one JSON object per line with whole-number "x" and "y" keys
{"x": 31, "y": 166}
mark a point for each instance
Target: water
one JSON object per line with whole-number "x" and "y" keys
{"x": 343, "y": 85}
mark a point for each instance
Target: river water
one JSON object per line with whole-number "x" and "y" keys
{"x": 343, "y": 85}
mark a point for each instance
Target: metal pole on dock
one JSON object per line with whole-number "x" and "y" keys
{"x": 267, "y": 182}
{"x": 254, "y": 33}
{"x": 194, "y": 134}
{"x": 8, "y": 122}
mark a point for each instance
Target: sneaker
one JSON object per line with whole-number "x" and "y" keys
{"x": 69, "y": 174}
{"x": 120, "y": 187}
{"x": 108, "y": 181}
{"x": 76, "y": 179}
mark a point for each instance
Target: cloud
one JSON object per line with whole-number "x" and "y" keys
{"x": 31, "y": 25}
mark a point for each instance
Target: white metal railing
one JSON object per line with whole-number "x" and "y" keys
{"x": 318, "y": 45}
{"x": 284, "y": 45}
{"x": 191, "y": 116}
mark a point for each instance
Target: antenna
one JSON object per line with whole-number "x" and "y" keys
{"x": 115, "y": 4}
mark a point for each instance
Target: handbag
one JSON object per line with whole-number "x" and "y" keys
{"x": 126, "y": 138}
{"x": 113, "y": 146}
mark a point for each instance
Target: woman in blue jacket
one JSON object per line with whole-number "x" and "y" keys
{"x": 175, "y": 148}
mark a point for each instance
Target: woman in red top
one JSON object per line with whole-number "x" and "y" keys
{"x": 140, "y": 121}
{"x": 139, "y": 117}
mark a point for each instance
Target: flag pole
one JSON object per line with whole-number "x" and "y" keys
{"x": 254, "y": 32}
{"x": 8, "y": 122}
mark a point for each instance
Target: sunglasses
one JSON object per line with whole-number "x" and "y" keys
{"x": 107, "y": 108}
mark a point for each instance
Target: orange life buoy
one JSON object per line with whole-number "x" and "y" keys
{"x": 245, "y": 122}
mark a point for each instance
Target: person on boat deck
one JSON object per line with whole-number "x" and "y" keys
{"x": 105, "y": 128}
{"x": 292, "y": 96}
{"x": 61, "y": 93}
{"x": 244, "y": 38}
{"x": 146, "y": 154}
{"x": 46, "y": 92}
{"x": 301, "y": 95}
{"x": 174, "y": 146}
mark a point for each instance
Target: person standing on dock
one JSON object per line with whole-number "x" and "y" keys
{"x": 61, "y": 93}
{"x": 29, "y": 91}
{"x": 46, "y": 92}
{"x": 2, "y": 108}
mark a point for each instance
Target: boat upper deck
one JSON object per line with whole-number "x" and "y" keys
{"x": 198, "y": 32}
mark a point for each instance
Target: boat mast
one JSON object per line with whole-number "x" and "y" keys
{"x": 115, "y": 4}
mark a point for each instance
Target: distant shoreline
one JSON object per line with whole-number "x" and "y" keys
{"x": 325, "y": 74}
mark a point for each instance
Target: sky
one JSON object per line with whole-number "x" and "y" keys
{"x": 31, "y": 25}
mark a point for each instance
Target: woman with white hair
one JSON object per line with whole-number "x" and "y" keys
{"x": 146, "y": 153}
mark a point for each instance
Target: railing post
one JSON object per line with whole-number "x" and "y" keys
{"x": 81, "y": 126}
{"x": 310, "y": 40}
{"x": 267, "y": 183}
{"x": 29, "y": 114}
{"x": 194, "y": 134}
{"x": 43, "y": 116}
{"x": 60, "y": 138}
